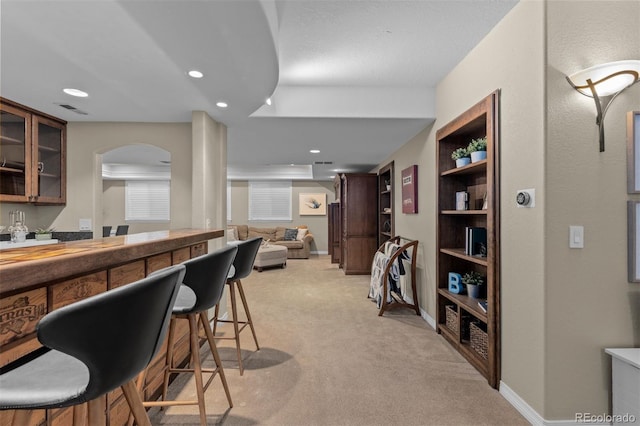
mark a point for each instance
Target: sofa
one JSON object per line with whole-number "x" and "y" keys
{"x": 298, "y": 247}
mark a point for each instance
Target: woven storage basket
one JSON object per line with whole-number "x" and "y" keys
{"x": 479, "y": 340}
{"x": 451, "y": 318}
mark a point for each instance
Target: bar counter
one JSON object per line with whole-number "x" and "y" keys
{"x": 38, "y": 280}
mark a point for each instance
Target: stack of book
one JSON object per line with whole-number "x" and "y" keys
{"x": 475, "y": 241}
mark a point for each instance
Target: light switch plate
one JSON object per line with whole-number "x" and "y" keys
{"x": 576, "y": 236}
{"x": 85, "y": 224}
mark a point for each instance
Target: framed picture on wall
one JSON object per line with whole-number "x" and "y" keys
{"x": 633, "y": 250}
{"x": 633, "y": 152}
{"x": 313, "y": 204}
{"x": 410, "y": 190}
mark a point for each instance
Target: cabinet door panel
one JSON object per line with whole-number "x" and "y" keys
{"x": 15, "y": 154}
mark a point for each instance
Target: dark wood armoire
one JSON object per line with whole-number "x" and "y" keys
{"x": 358, "y": 195}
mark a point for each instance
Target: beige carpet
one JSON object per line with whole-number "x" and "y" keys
{"x": 326, "y": 358}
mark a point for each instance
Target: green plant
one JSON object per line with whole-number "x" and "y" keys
{"x": 479, "y": 144}
{"x": 44, "y": 230}
{"x": 459, "y": 153}
{"x": 473, "y": 277}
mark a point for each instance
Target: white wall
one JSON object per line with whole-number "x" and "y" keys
{"x": 560, "y": 307}
{"x": 318, "y": 225}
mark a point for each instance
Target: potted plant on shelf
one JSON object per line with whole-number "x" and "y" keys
{"x": 478, "y": 149}
{"x": 461, "y": 157}
{"x": 43, "y": 233}
{"x": 473, "y": 280}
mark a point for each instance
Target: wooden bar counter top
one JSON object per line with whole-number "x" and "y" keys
{"x": 37, "y": 280}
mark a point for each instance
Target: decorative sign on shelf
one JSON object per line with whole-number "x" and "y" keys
{"x": 410, "y": 190}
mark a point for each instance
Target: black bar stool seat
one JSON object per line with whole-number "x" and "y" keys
{"x": 92, "y": 347}
{"x": 242, "y": 267}
{"x": 202, "y": 288}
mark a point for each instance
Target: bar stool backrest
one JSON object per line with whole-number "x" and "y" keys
{"x": 106, "y": 231}
{"x": 117, "y": 333}
{"x": 247, "y": 251}
{"x": 207, "y": 275}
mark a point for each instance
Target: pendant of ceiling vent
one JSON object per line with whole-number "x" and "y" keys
{"x": 74, "y": 109}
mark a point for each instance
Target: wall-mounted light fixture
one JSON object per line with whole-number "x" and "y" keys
{"x": 603, "y": 83}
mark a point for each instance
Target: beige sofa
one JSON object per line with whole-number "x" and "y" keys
{"x": 298, "y": 249}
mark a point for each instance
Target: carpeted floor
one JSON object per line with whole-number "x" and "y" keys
{"x": 327, "y": 358}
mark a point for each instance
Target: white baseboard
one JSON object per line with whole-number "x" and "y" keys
{"x": 319, "y": 252}
{"x": 532, "y": 415}
{"x": 425, "y": 316}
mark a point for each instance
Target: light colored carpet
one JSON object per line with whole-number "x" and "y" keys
{"x": 327, "y": 358}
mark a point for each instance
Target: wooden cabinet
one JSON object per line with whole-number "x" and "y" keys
{"x": 32, "y": 156}
{"x": 334, "y": 232}
{"x": 358, "y": 221}
{"x": 386, "y": 226}
{"x": 461, "y": 320}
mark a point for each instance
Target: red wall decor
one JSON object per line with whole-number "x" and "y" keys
{"x": 410, "y": 190}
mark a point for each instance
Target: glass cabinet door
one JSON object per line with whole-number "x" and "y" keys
{"x": 15, "y": 154}
{"x": 48, "y": 168}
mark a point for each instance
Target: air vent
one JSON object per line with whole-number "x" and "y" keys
{"x": 74, "y": 109}
{"x": 323, "y": 162}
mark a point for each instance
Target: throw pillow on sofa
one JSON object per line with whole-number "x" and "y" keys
{"x": 290, "y": 234}
{"x": 301, "y": 233}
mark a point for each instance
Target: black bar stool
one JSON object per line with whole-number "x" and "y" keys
{"x": 122, "y": 230}
{"x": 92, "y": 347}
{"x": 202, "y": 288}
{"x": 243, "y": 265}
{"x": 106, "y": 231}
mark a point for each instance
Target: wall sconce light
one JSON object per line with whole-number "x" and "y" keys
{"x": 603, "y": 83}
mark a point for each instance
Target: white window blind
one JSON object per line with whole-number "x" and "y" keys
{"x": 147, "y": 200}
{"x": 270, "y": 200}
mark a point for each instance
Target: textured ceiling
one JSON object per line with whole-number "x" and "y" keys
{"x": 353, "y": 78}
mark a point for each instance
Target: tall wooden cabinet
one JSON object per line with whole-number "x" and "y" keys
{"x": 334, "y": 232}
{"x": 32, "y": 156}
{"x": 461, "y": 319}
{"x": 386, "y": 224}
{"x": 358, "y": 194}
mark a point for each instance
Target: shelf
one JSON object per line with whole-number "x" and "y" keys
{"x": 10, "y": 141}
{"x": 48, "y": 175}
{"x": 388, "y": 234}
{"x": 385, "y": 192}
{"x": 387, "y": 213}
{"x": 11, "y": 170}
{"x": 477, "y": 167}
{"x": 469, "y": 304}
{"x": 481, "y": 181}
{"x": 48, "y": 149}
{"x": 459, "y": 253}
{"x": 464, "y": 212}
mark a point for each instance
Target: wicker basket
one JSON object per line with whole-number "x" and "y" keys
{"x": 479, "y": 340}
{"x": 451, "y": 318}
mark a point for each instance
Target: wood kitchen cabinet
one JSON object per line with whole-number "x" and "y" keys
{"x": 32, "y": 155}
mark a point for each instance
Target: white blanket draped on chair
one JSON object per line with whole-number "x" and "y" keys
{"x": 398, "y": 281}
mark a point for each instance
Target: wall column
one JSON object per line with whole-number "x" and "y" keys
{"x": 209, "y": 174}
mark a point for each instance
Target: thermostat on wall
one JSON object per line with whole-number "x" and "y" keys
{"x": 526, "y": 197}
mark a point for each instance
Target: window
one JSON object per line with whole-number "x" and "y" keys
{"x": 270, "y": 200}
{"x": 147, "y": 200}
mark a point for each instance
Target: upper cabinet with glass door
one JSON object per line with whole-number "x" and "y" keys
{"x": 32, "y": 156}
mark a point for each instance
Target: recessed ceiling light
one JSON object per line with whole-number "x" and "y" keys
{"x": 269, "y": 101}
{"x": 195, "y": 74}
{"x": 222, "y": 104}
{"x": 75, "y": 92}
{"x": 315, "y": 151}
